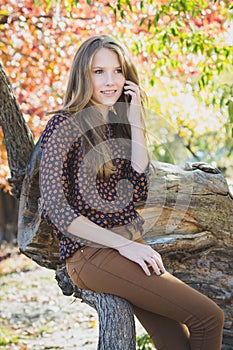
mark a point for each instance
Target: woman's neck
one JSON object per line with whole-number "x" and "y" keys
{"x": 104, "y": 110}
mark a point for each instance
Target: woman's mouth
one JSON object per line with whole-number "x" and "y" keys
{"x": 108, "y": 92}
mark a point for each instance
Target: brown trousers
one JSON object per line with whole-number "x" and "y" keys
{"x": 176, "y": 316}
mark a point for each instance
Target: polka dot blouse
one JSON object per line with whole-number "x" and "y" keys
{"x": 69, "y": 189}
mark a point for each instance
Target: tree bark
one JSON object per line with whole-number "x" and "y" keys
{"x": 18, "y": 137}
{"x": 188, "y": 219}
{"x": 8, "y": 217}
{"x": 116, "y": 318}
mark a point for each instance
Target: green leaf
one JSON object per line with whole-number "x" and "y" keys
{"x": 156, "y": 18}
{"x": 122, "y": 13}
{"x": 166, "y": 39}
{"x": 129, "y": 5}
{"x": 222, "y": 99}
{"x": 142, "y": 21}
{"x": 152, "y": 81}
{"x": 149, "y": 25}
{"x": 48, "y": 4}
{"x": 230, "y": 110}
{"x": 109, "y": 5}
{"x": 174, "y": 31}
{"x": 150, "y": 48}
{"x": 136, "y": 48}
{"x": 179, "y": 24}
{"x": 114, "y": 11}
{"x": 226, "y": 51}
{"x": 195, "y": 48}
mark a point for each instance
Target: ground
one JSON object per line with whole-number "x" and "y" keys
{"x": 35, "y": 315}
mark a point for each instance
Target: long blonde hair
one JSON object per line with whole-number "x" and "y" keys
{"x": 78, "y": 98}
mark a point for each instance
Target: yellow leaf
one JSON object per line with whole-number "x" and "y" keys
{"x": 93, "y": 324}
{"x": 4, "y": 13}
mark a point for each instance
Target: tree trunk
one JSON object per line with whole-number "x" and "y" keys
{"x": 116, "y": 318}
{"x": 18, "y": 137}
{"x": 188, "y": 219}
{"x": 8, "y": 217}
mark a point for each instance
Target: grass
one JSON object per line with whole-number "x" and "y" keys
{"x": 7, "y": 336}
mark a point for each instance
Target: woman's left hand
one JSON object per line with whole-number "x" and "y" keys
{"x": 134, "y": 113}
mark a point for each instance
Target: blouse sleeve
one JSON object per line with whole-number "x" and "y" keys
{"x": 56, "y": 140}
{"x": 140, "y": 182}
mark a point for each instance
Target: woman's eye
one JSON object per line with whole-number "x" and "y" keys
{"x": 101, "y": 71}
{"x": 98, "y": 71}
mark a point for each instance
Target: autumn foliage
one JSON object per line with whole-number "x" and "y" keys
{"x": 39, "y": 39}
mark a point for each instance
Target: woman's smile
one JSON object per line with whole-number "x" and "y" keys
{"x": 109, "y": 92}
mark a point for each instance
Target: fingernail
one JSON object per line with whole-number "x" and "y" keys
{"x": 164, "y": 270}
{"x": 159, "y": 273}
{"x": 149, "y": 274}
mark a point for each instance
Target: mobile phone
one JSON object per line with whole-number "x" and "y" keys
{"x": 127, "y": 98}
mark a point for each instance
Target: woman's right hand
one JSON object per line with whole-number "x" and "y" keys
{"x": 144, "y": 256}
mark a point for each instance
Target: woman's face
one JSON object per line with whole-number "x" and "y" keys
{"x": 106, "y": 77}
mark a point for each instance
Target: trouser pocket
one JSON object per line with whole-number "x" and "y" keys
{"x": 74, "y": 275}
{"x": 77, "y": 261}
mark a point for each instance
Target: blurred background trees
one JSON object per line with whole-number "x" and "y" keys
{"x": 183, "y": 49}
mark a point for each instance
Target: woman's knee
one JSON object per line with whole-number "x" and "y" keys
{"x": 209, "y": 318}
{"x": 214, "y": 320}
{"x": 219, "y": 317}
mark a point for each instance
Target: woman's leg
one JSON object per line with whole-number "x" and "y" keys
{"x": 163, "y": 331}
{"x": 105, "y": 270}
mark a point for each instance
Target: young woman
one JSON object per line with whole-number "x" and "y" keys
{"x": 94, "y": 168}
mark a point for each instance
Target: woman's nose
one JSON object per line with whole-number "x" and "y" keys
{"x": 109, "y": 79}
